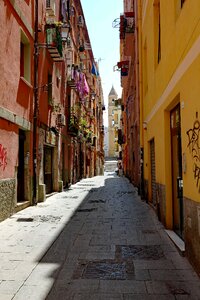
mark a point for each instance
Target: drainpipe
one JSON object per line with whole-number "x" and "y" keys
{"x": 139, "y": 12}
{"x": 35, "y": 112}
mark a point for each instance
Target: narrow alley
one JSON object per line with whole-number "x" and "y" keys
{"x": 95, "y": 241}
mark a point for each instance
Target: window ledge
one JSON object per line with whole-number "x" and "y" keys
{"x": 26, "y": 82}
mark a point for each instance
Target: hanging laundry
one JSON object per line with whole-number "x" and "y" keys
{"x": 82, "y": 86}
{"x": 86, "y": 88}
{"x": 94, "y": 70}
{"x": 64, "y": 11}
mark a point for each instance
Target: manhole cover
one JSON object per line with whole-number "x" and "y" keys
{"x": 139, "y": 252}
{"x": 104, "y": 270}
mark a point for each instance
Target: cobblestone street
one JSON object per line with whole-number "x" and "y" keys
{"x": 95, "y": 241}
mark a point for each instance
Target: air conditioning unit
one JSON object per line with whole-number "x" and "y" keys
{"x": 80, "y": 21}
{"x": 61, "y": 120}
{"x": 50, "y": 7}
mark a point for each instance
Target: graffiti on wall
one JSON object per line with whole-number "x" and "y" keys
{"x": 194, "y": 146}
{"x": 3, "y": 157}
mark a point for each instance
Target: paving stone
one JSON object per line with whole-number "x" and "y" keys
{"x": 32, "y": 292}
{"x": 166, "y": 275}
{"x": 147, "y": 297}
{"x": 46, "y": 252}
{"x": 87, "y": 285}
{"x": 176, "y": 288}
{"x": 6, "y": 296}
{"x": 107, "y": 296}
{"x": 129, "y": 286}
{"x": 9, "y": 287}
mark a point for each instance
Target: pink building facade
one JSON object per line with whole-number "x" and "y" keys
{"x": 50, "y": 102}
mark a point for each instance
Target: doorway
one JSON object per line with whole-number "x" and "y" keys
{"x": 177, "y": 182}
{"x": 48, "y": 156}
{"x": 63, "y": 164}
{"x": 20, "y": 170}
{"x": 153, "y": 172}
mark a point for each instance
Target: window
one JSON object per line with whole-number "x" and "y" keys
{"x": 50, "y": 7}
{"x": 159, "y": 35}
{"x": 157, "y": 32}
{"x": 48, "y": 3}
{"x": 50, "y": 89}
{"x": 25, "y": 60}
{"x": 21, "y": 59}
{"x": 178, "y": 7}
{"x": 145, "y": 68}
{"x": 182, "y": 2}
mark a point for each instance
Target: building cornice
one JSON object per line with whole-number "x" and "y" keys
{"x": 21, "y": 16}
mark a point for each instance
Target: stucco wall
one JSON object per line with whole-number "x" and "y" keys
{"x": 192, "y": 231}
{"x": 7, "y": 198}
{"x": 15, "y": 92}
{"x": 8, "y": 146}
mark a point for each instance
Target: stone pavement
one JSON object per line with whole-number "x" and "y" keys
{"x": 95, "y": 241}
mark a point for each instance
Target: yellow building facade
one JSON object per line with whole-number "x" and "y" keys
{"x": 169, "y": 55}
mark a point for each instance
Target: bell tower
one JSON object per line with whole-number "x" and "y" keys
{"x": 112, "y": 97}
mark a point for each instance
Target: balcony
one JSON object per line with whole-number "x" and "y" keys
{"x": 130, "y": 22}
{"x": 124, "y": 66}
{"x": 70, "y": 76}
{"x": 54, "y": 42}
{"x": 127, "y": 24}
{"x": 50, "y": 11}
{"x": 73, "y": 127}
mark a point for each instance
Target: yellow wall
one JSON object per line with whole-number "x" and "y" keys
{"x": 176, "y": 78}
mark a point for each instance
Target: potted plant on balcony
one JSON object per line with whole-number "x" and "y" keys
{"x": 73, "y": 127}
{"x": 89, "y": 137}
{"x": 53, "y": 38}
{"x": 82, "y": 123}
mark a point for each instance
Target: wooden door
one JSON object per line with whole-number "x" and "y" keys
{"x": 48, "y": 169}
{"x": 177, "y": 182}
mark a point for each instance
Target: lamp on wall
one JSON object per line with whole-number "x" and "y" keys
{"x": 145, "y": 125}
{"x": 65, "y": 30}
{"x": 93, "y": 94}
